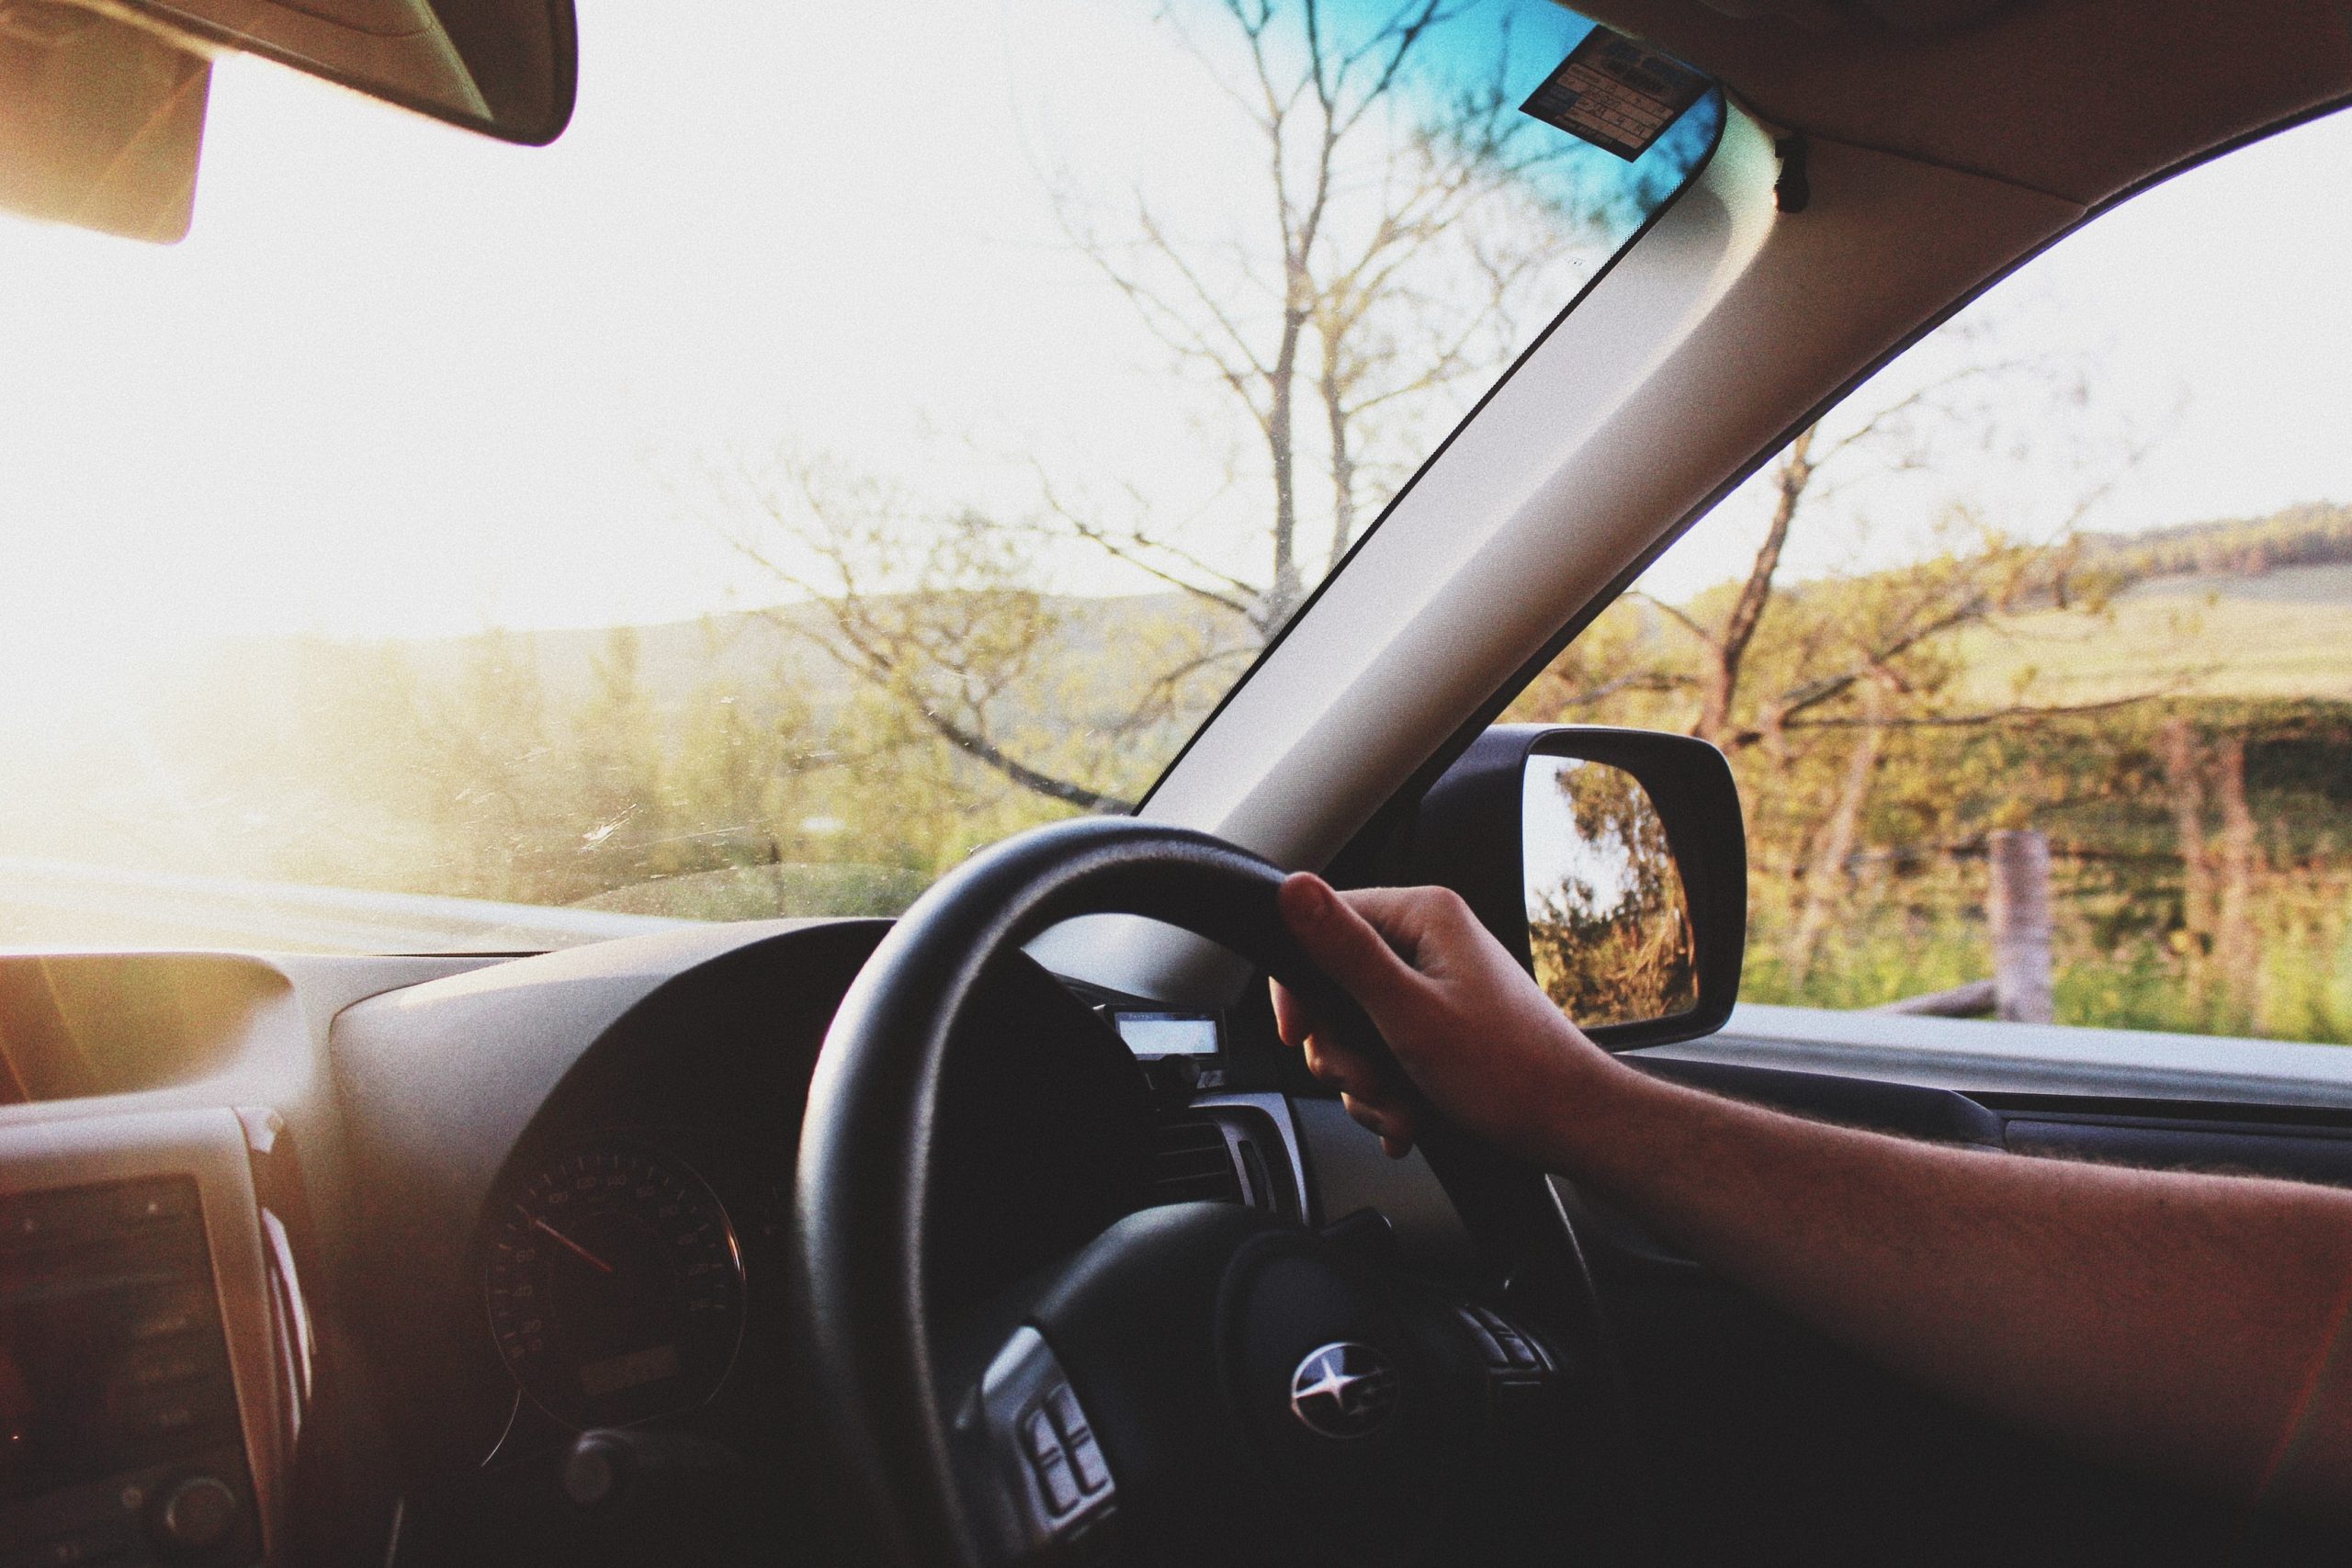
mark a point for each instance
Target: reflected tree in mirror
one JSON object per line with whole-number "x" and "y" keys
{"x": 1607, "y": 921}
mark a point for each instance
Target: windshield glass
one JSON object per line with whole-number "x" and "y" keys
{"x": 867, "y": 433}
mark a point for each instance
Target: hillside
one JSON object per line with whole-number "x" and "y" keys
{"x": 2276, "y": 592}
{"x": 2313, "y": 534}
{"x": 678, "y": 662}
{"x": 2284, "y": 633}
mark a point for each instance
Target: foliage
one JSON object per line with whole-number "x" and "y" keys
{"x": 701, "y": 770}
{"x": 2133, "y": 948}
{"x": 1609, "y": 927}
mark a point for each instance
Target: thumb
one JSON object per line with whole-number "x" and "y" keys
{"x": 1344, "y": 945}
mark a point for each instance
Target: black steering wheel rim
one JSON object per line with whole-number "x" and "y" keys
{"x": 860, "y": 1192}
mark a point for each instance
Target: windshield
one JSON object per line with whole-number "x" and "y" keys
{"x": 866, "y": 433}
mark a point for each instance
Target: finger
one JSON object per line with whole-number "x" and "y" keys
{"x": 1393, "y": 1120}
{"x": 1345, "y": 1070}
{"x": 1327, "y": 1055}
{"x": 1344, "y": 945}
{"x": 1293, "y": 1019}
{"x": 1366, "y": 1114}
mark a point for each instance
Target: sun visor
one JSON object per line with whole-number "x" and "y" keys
{"x": 1918, "y": 16}
{"x": 2079, "y": 99}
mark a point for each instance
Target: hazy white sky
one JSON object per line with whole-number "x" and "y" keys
{"x": 2214, "y": 312}
{"x": 401, "y": 379}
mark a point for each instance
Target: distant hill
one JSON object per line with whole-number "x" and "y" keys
{"x": 678, "y": 661}
{"x": 2324, "y": 583}
{"x": 2242, "y": 606}
{"x": 2314, "y": 534}
{"x": 2245, "y": 608}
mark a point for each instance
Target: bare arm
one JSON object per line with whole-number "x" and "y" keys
{"x": 2185, "y": 1323}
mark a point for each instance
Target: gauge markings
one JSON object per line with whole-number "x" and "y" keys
{"x": 614, "y": 1286}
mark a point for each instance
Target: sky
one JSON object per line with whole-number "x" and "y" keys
{"x": 403, "y": 380}
{"x": 2208, "y": 322}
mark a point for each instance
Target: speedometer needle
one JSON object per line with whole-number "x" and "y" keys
{"x": 574, "y": 1246}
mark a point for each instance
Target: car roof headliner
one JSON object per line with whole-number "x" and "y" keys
{"x": 2075, "y": 98}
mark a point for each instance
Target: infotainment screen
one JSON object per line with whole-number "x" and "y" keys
{"x": 119, "y": 1426}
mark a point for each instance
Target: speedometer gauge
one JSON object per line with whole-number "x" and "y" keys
{"x": 616, "y": 1286}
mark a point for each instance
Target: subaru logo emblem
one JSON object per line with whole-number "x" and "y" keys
{"x": 1343, "y": 1390}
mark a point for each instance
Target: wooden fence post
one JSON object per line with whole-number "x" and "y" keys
{"x": 2019, "y": 910}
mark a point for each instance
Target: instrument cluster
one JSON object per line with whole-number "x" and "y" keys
{"x": 615, "y": 1281}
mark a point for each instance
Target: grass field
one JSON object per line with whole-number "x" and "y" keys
{"x": 2123, "y": 958}
{"x": 2284, "y": 634}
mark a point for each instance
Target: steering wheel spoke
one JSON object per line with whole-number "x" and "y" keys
{"x": 1031, "y": 1461}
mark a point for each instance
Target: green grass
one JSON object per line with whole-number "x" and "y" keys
{"x": 2119, "y": 961}
{"x": 2287, "y": 634}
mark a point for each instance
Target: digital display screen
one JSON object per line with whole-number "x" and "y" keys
{"x": 1168, "y": 1034}
{"x": 111, "y": 1354}
{"x": 635, "y": 1370}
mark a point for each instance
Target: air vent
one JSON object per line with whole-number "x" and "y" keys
{"x": 1191, "y": 1161}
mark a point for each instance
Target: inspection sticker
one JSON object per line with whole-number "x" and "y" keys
{"x": 1615, "y": 93}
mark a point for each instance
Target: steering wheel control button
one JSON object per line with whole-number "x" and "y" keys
{"x": 1038, "y": 1435}
{"x": 1068, "y": 1419}
{"x": 1059, "y": 1483}
{"x": 1508, "y": 1349}
{"x": 1055, "y": 1481}
{"x": 1062, "y": 1451}
{"x": 1050, "y": 1462}
{"x": 1086, "y": 1463}
{"x": 1344, "y": 1391}
{"x": 1072, "y": 1437}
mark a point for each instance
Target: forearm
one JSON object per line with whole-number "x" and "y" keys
{"x": 2177, "y": 1321}
{"x": 2183, "y": 1322}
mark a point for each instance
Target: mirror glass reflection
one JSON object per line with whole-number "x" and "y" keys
{"x": 1606, "y": 916}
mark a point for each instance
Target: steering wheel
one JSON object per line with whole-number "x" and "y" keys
{"x": 1201, "y": 1383}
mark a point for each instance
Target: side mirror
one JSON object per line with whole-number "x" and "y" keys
{"x": 1611, "y": 863}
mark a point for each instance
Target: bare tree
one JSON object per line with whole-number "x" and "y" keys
{"x": 1988, "y": 570}
{"x": 1814, "y": 683}
{"x": 1406, "y": 221}
{"x": 1391, "y": 258}
{"x": 941, "y": 615}
{"x": 1827, "y": 878}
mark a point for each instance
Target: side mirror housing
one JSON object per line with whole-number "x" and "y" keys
{"x": 1612, "y": 863}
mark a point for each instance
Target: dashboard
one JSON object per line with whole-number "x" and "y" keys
{"x": 420, "y": 1224}
{"x": 350, "y": 1260}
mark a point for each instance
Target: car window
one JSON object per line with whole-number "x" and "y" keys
{"x": 2032, "y": 655}
{"x": 865, "y": 434}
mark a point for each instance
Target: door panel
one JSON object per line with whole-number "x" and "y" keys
{"x": 1777, "y": 1445}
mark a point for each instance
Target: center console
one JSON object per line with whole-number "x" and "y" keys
{"x": 141, "y": 1397}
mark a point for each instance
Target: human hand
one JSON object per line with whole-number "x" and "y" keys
{"x": 1475, "y": 1039}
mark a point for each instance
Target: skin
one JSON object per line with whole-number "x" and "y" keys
{"x": 2186, "y": 1325}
